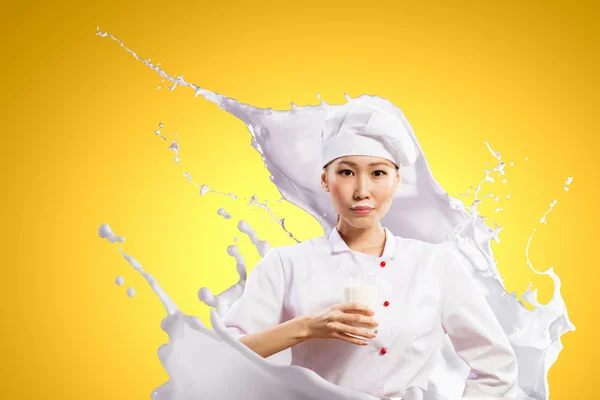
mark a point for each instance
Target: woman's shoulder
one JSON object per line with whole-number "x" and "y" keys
{"x": 310, "y": 246}
{"x": 423, "y": 247}
{"x": 417, "y": 243}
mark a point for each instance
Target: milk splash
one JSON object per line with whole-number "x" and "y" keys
{"x": 105, "y": 232}
{"x": 212, "y": 364}
{"x": 224, "y": 213}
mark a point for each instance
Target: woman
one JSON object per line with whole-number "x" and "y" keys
{"x": 294, "y": 298}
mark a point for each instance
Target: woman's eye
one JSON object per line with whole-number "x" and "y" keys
{"x": 346, "y": 172}
{"x": 379, "y": 173}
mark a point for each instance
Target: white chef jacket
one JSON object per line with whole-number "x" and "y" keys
{"x": 423, "y": 292}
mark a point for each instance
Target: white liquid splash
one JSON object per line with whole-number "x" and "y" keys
{"x": 105, "y": 232}
{"x": 263, "y": 247}
{"x": 225, "y": 214}
{"x": 119, "y": 280}
{"x": 204, "y": 189}
{"x": 205, "y": 364}
{"x": 281, "y": 222}
{"x": 174, "y": 147}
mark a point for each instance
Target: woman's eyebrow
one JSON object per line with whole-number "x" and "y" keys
{"x": 370, "y": 165}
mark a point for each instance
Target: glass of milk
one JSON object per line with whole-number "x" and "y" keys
{"x": 361, "y": 289}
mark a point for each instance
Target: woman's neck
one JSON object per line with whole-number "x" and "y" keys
{"x": 365, "y": 240}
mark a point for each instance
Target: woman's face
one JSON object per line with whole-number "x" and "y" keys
{"x": 361, "y": 188}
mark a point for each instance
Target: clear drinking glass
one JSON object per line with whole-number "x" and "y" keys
{"x": 361, "y": 289}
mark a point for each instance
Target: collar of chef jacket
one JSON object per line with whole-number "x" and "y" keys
{"x": 339, "y": 246}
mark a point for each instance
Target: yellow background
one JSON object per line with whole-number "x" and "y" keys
{"x": 79, "y": 150}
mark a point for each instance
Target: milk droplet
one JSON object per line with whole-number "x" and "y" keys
{"x": 204, "y": 189}
{"x": 105, "y": 232}
{"x": 568, "y": 182}
{"x": 161, "y": 125}
{"x": 224, "y": 213}
{"x": 174, "y": 147}
{"x": 130, "y": 292}
{"x": 157, "y": 132}
{"x": 119, "y": 280}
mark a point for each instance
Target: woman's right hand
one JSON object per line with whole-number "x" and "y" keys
{"x": 333, "y": 323}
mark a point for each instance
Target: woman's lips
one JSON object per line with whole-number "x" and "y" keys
{"x": 362, "y": 210}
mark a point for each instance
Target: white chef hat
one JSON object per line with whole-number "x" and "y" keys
{"x": 365, "y": 130}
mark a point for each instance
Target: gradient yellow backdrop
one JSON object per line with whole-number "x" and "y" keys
{"x": 79, "y": 150}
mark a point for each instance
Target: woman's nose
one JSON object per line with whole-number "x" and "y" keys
{"x": 362, "y": 189}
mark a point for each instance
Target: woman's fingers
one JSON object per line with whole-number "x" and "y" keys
{"x": 342, "y": 328}
{"x": 357, "y": 318}
{"x": 350, "y": 339}
{"x": 355, "y": 307}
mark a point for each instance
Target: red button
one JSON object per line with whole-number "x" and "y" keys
{"x": 386, "y": 303}
{"x": 382, "y": 264}
{"x": 382, "y": 352}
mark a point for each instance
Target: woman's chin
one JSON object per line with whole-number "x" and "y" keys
{"x": 361, "y": 221}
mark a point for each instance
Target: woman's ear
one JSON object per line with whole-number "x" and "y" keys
{"x": 324, "y": 181}
{"x": 398, "y": 180}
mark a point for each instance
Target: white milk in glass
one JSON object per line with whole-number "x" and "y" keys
{"x": 361, "y": 290}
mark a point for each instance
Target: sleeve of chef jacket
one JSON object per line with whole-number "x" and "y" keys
{"x": 477, "y": 336}
{"x": 261, "y": 304}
